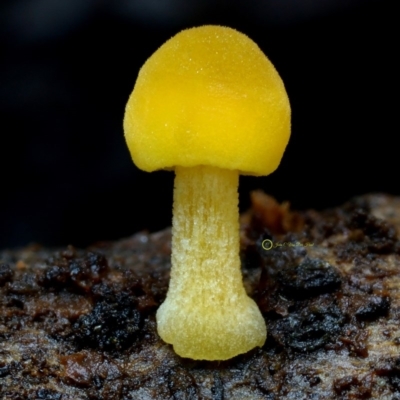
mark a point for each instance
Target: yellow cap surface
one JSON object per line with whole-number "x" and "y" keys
{"x": 208, "y": 96}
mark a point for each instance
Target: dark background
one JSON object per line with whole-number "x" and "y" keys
{"x": 67, "y": 69}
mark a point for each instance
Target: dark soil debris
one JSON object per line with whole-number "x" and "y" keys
{"x": 78, "y": 274}
{"x": 374, "y": 307}
{"x": 110, "y": 326}
{"x": 78, "y": 324}
{"x": 308, "y": 329}
{"x": 48, "y": 394}
{"x": 6, "y": 274}
{"x": 310, "y": 278}
{"x": 368, "y": 234}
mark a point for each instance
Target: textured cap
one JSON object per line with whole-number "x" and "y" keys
{"x": 208, "y": 96}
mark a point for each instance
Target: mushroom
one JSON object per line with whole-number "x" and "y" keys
{"x": 209, "y": 105}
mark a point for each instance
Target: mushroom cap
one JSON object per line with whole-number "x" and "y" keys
{"x": 208, "y": 96}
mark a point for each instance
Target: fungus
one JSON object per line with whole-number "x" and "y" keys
{"x": 209, "y": 105}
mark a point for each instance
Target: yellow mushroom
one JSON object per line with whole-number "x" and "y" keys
{"x": 209, "y": 105}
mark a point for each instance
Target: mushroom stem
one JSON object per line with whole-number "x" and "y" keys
{"x": 207, "y": 313}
